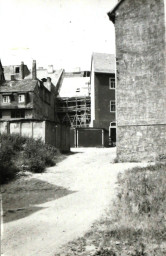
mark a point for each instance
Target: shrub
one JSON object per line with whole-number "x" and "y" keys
{"x": 36, "y": 164}
{"x": 15, "y": 141}
{"x": 7, "y": 172}
{"x": 38, "y": 155}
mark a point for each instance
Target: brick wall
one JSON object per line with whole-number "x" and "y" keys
{"x": 141, "y": 79}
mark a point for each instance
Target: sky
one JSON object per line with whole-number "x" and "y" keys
{"x": 63, "y": 33}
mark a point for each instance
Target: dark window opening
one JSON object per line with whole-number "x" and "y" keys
{"x": 112, "y": 106}
{"x": 112, "y": 136}
{"x": 18, "y": 113}
{"x": 113, "y": 124}
{"x": 17, "y": 70}
{"x": 0, "y": 114}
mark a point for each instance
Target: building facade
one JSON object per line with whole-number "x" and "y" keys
{"x": 28, "y": 107}
{"x": 27, "y": 98}
{"x": 141, "y": 78}
{"x": 103, "y": 105}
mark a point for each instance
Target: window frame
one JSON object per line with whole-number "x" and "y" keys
{"x": 111, "y": 79}
{"x": 21, "y": 101}
{"x": 111, "y": 105}
{"x": 6, "y": 97}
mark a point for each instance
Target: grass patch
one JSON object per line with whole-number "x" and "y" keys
{"x": 18, "y": 152}
{"x": 135, "y": 225}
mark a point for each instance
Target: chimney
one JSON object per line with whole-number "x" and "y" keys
{"x": 48, "y": 83}
{"x": 34, "y": 77}
{"x": 50, "y": 69}
{"x": 22, "y": 70}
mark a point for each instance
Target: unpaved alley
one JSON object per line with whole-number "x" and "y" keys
{"x": 59, "y": 205}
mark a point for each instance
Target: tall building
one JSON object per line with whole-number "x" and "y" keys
{"x": 141, "y": 78}
{"x": 103, "y": 105}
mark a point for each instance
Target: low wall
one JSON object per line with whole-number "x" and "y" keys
{"x": 49, "y": 132}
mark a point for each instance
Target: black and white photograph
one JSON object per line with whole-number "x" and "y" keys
{"x": 83, "y": 128}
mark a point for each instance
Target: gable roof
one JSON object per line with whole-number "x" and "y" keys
{"x": 111, "y": 14}
{"x": 74, "y": 87}
{"x": 55, "y": 75}
{"x": 18, "y": 86}
{"x": 104, "y": 62}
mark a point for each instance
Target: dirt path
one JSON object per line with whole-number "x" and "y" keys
{"x": 61, "y": 204}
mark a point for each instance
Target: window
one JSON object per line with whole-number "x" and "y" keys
{"x": 113, "y": 124}
{"x": 111, "y": 83}
{"x": 21, "y": 98}
{"x": 17, "y": 70}
{"x": 6, "y": 99}
{"x": 18, "y": 113}
{"x": 112, "y": 106}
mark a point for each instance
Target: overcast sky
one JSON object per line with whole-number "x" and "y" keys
{"x": 59, "y": 32}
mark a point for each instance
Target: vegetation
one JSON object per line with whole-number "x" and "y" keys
{"x": 135, "y": 225}
{"x": 18, "y": 152}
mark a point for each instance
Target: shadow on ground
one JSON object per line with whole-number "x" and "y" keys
{"x": 20, "y": 199}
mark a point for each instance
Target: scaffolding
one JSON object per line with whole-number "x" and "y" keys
{"x": 75, "y": 111}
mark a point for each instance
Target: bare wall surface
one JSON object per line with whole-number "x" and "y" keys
{"x": 103, "y": 96}
{"x": 141, "y": 79}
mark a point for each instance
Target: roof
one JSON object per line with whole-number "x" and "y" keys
{"x": 55, "y": 75}
{"x": 111, "y": 14}
{"x": 10, "y": 70}
{"x": 104, "y": 62}
{"x": 74, "y": 87}
{"x": 18, "y": 86}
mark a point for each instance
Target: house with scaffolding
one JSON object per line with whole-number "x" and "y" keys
{"x": 86, "y": 102}
{"x": 73, "y": 102}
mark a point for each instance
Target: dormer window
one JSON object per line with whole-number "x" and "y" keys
{"x": 6, "y": 99}
{"x": 21, "y": 98}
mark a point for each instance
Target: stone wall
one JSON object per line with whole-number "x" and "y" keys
{"x": 141, "y": 143}
{"x": 141, "y": 79}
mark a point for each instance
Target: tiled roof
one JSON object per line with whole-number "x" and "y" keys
{"x": 18, "y": 86}
{"x": 74, "y": 87}
{"x": 43, "y": 73}
{"x": 104, "y": 62}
